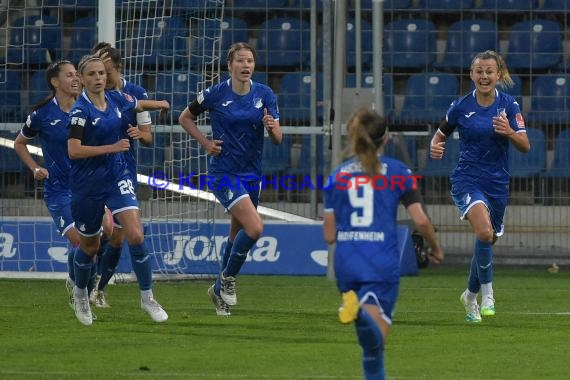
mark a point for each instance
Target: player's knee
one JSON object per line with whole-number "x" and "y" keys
{"x": 135, "y": 237}
{"x": 486, "y": 235}
{"x": 254, "y": 231}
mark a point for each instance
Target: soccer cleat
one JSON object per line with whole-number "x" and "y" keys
{"x": 471, "y": 309}
{"x": 488, "y": 306}
{"x": 100, "y": 300}
{"x": 93, "y": 296}
{"x": 228, "y": 289}
{"x": 83, "y": 311}
{"x": 348, "y": 312}
{"x": 154, "y": 310}
{"x": 222, "y": 308}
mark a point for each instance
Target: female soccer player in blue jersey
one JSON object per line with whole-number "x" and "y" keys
{"x": 240, "y": 112}
{"x": 139, "y": 130}
{"x": 48, "y": 121}
{"x": 487, "y": 121}
{"x": 360, "y": 210}
{"x": 100, "y": 177}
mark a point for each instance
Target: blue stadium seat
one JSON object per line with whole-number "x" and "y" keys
{"x": 409, "y": 43}
{"x": 507, "y": 5}
{"x": 444, "y": 5}
{"x": 233, "y": 30}
{"x": 533, "y": 163}
{"x": 179, "y": 88}
{"x": 283, "y": 42}
{"x": 368, "y": 82}
{"x": 260, "y": 5}
{"x": 151, "y": 159}
{"x": 10, "y": 162}
{"x": 303, "y": 166}
{"x": 389, "y": 5}
{"x": 276, "y": 158}
{"x": 427, "y": 97}
{"x": 10, "y": 88}
{"x": 534, "y": 44}
{"x": 83, "y": 38}
{"x": 465, "y": 38}
{"x": 561, "y": 163}
{"x": 34, "y": 40}
{"x": 294, "y": 98}
{"x": 550, "y": 100}
{"x": 38, "y": 88}
{"x": 554, "y": 5}
{"x": 396, "y": 144}
{"x": 515, "y": 91}
{"x": 366, "y": 44}
{"x": 443, "y": 167}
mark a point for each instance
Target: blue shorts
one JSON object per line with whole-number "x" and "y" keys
{"x": 88, "y": 210}
{"x": 464, "y": 200}
{"x": 381, "y": 294}
{"x": 230, "y": 189}
{"x": 59, "y": 207}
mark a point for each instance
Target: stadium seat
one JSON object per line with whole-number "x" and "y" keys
{"x": 389, "y": 5}
{"x": 283, "y": 43}
{"x": 427, "y": 98}
{"x": 465, "y": 38}
{"x": 534, "y": 45}
{"x": 294, "y": 98}
{"x": 550, "y": 100}
{"x": 10, "y": 162}
{"x": 233, "y": 30}
{"x": 533, "y": 163}
{"x": 404, "y": 148}
{"x": 515, "y": 91}
{"x": 276, "y": 158}
{"x": 34, "y": 40}
{"x": 10, "y": 88}
{"x": 303, "y": 166}
{"x": 368, "y": 82}
{"x": 179, "y": 88}
{"x": 151, "y": 159}
{"x": 553, "y": 5}
{"x": 366, "y": 44}
{"x": 561, "y": 162}
{"x": 444, "y": 5}
{"x": 507, "y": 5}
{"x": 83, "y": 38}
{"x": 38, "y": 88}
{"x": 443, "y": 167}
{"x": 259, "y": 4}
{"x": 409, "y": 43}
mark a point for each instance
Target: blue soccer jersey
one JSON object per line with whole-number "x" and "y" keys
{"x": 367, "y": 238}
{"x": 95, "y": 175}
{"x": 237, "y": 121}
{"x": 50, "y": 124}
{"x": 483, "y": 154}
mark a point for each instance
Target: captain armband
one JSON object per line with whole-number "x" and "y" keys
{"x": 195, "y": 108}
{"x": 412, "y": 196}
{"x": 445, "y": 128}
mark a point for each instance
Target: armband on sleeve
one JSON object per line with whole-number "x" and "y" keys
{"x": 75, "y": 132}
{"x": 445, "y": 128}
{"x": 412, "y": 196}
{"x": 195, "y": 108}
{"x": 143, "y": 118}
{"x": 28, "y": 132}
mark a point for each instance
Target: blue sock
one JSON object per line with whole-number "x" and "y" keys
{"x": 226, "y": 256}
{"x": 82, "y": 267}
{"x": 70, "y": 255}
{"x": 141, "y": 265}
{"x": 372, "y": 343}
{"x": 242, "y": 245}
{"x": 473, "y": 283}
{"x": 102, "y": 249}
{"x": 109, "y": 262}
{"x": 484, "y": 256}
{"x": 92, "y": 275}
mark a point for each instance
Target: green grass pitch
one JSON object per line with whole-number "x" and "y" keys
{"x": 287, "y": 328}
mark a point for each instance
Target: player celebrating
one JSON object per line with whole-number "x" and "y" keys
{"x": 240, "y": 111}
{"x": 100, "y": 178}
{"x": 487, "y": 120}
{"x": 361, "y": 220}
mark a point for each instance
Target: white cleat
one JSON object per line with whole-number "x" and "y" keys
{"x": 100, "y": 300}
{"x": 228, "y": 290}
{"x": 83, "y": 311}
{"x": 154, "y": 310}
{"x": 222, "y": 308}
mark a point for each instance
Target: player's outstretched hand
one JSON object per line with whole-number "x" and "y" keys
{"x": 436, "y": 255}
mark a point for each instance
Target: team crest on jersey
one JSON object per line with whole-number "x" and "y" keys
{"x": 257, "y": 103}
{"x": 520, "y": 120}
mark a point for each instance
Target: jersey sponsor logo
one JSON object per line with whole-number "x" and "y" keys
{"x": 54, "y": 122}
{"x": 520, "y": 120}
{"x": 96, "y": 120}
{"x": 227, "y": 103}
{"x": 468, "y": 115}
{"x": 257, "y": 103}
{"x": 78, "y": 121}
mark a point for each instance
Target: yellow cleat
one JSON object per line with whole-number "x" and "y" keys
{"x": 348, "y": 312}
